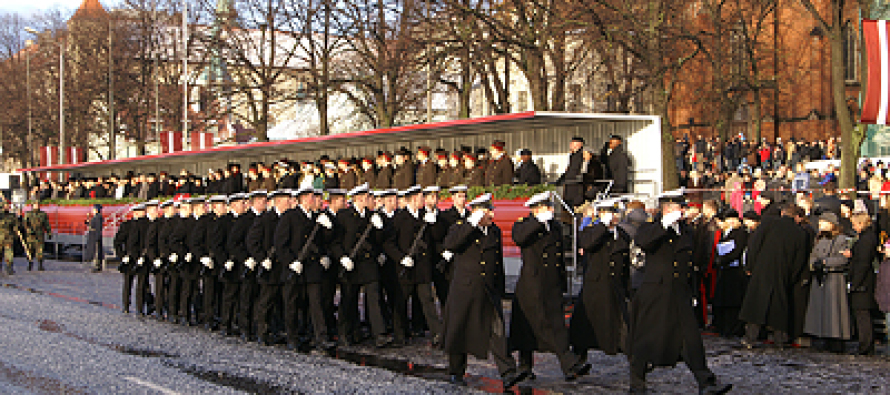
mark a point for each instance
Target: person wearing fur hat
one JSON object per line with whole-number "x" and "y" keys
{"x": 500, "y": 168}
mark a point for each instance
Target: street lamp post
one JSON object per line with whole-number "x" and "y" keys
{"x": 28, "y": 44}
{"x": 61, "y": 96}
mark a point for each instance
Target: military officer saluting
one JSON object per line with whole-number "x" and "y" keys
{"x": 473, "y": 315}
{"x": 538, "y": 322}
{"x": 663, "y": 327}
{"x": 36, "y": 229}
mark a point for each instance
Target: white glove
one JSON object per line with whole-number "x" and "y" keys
{"x": 347, "y": 263}
{"x": 125, "y": 259}
{"x": 407, "y": 262}
{"x": 430, "y": 217}
{"x": 323, "y": 220}
{"x": 140, "y": 261}
{"x": 229, "y": 265}
{"x": 267, "y": 264}
{"x": 174, "y": 257}
{"x": 250, "y": 263}
{"x": 476, "y": 217}
{"x": 381, "y": 259}
{"x": 325, "y": 262}
{"x": 158, "y": 263}
{"x": 670, "y": 218}
{"x": 544, "y": 216}
{"x": 448, "y": 255}
{"x": 606, "y": 218}
{"x": 297, "y": 267}
{"x": 376, "y": 221}
{"x": 207, "y": 262}
{"x": 188, "y": 257}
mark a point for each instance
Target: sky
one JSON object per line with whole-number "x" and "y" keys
{"x": 29, "y": 6}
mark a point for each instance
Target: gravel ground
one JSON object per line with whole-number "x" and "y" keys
{"x": 63, "y": 333}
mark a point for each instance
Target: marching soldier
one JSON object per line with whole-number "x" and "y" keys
{"x": 474, "y": 317}
{"x": 298, "y": 243}
{"x": 599, "y": 320}
{"x": 92, "y": 251}
{"x": 663, "y": 327}
{"x": 389, "y": 278}
{"x": 249, "y": 287}
{"x": 161, "y": 263}
{"x": 269, "y": 271}
{"x": 128, "y": 251}
{"x": 198, "y": 225}
{"x": 409, "y": 245}
{"x": 333, "y": 239}
{"x": 147, "y": 251}
{"x": 500, "y": 168}
{"x": 180, "y": 258}
{"x": 538, "y": 322}
{"x": 362, "y": 234}
{"x": 36, "y": 229}
{"x": 220, "y": 223}
{"x": 426, "y": 169}
{"x": 235, "y": 253}
{"x": 438, "y": 231}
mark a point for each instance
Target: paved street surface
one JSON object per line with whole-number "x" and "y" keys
{"x": 63, "y": 333}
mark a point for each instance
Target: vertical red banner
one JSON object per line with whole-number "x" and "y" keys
{"x": 49, "y": 156}
{"x": 171, "y": 142}
{"x": 201, "y": 141}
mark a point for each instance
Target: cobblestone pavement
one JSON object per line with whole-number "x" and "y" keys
{"x": 64, "y": 334}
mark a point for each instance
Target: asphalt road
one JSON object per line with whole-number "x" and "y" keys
{"x": 62, "y": 332}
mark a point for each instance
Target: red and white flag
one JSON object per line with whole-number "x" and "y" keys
{"x": 877, "y": 97}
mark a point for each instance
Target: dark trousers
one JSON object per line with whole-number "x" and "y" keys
{"x": 292, "y": 294}
{"x": 315, "y": 305}
{"x": 129, "y": 278}
{"x": 188, "y": 297}
{"x": 211, "y": 288}
{"x": 270, "y": 294}
{"x": 727, "y": 323}
{"x": 497, "y": 346}
{"x": 864, "y": 330}
{"x": 329, "y": 292}
{"x": 349, "y": 311}
{"x": 395, "y": 303}
{"x": 247, "y": 306}
{"x": 424, "y": 295}
{"x": 229, "y": 305}
{"x": 441, "y": 281}
{"x": 143, "y": 292}
{"x": 161, "y": 286}
{"x": 173, "y": 295}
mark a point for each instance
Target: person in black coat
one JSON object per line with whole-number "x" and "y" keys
{"x": 474, "y": 317}
{"x": 127, "y": 251}
{"x": 729, "y": 291}
{"x": 190, "y": 267}
{"x": 360, "y": 247}
{"x": 600, "y": 317}
{"x": 93, "y": 249}
{"x": 246, "y": 269}
{"x": 212, "y": 262}
{"x": 617, "y": 165}
{"x": 147, "y": 246}
{"x": 538, "y": 322}
{"x": 180, "y": 227}
{"x": 161, "y": 264}
{"x": 235, "y": 253}
{"x": 571, "y": 178}
{"x": 862, "y": 280}
{"x": 270, "y": 271}
{"x": 774, "y": 260}
{"x": 415, "y": 259}
{"x": 663, "y": 327}
{"x": 528, "y": 172}
{"x": 438, "y": 230}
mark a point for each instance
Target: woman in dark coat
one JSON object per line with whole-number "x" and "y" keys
{"x": 600, "y": 317}
{"x": 729, "y": 291}
{"x": 538, "y": 322}
{"x": 862, "y": 280}
{"x": 93, "y": 249}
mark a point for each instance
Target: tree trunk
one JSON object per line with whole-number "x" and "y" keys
{"x": 669, "y": 174}
{"x": 849, "y": 151}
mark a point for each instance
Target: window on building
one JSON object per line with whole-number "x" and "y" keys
{"x": 851, "y": 54}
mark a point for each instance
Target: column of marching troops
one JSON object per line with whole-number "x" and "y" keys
{"x": 266, "y": 265}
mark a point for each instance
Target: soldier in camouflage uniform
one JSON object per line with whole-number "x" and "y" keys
{"x": 9, "y": 224}
{"x": 36, "y": 229}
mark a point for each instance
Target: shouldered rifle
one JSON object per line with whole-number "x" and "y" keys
{"x": 309, "y": 245}
{"x": 25, "y": 245}
{"x": 417, "y": 243}
{"x": 361, "y": 241}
